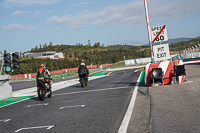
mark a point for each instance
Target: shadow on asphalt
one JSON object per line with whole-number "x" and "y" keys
{"x": 130, "y": 83}
{"x": 35, "y": 98}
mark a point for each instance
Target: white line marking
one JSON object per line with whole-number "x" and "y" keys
{"x": 75, "y": 106}
{"x": 55, "y": 86}
{"x": 6, "y": 120}
{"x": 37, "y": 105}
{"x": 65, "y": 101}
{"x": 48, "y": 127}
{"x": 125, "y": 122}
{"x": 107, "y": 89}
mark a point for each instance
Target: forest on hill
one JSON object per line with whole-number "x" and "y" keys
{"x": 96, "y": 55}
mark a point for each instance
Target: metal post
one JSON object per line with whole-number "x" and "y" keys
{"x": 190, "y": 52}
{"x": 196, "y": 51}
{"x": 149, "y": 30}
{"x": 193, "y": 52}
{"x": 2, "y": 66}
{"x": 185, "y": 53}
{"x": 2, "y": 62}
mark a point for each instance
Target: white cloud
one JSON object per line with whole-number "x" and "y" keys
{"x": 72, "y": 21}
{"x": 22, "y": 3}
{"x": 79, "y": 4}
{"x": 31, "y": 28}
{"x": 159, "y": 11}
{"x": 18, "y": 12}
{"x": 131, "y": 13}
{"x": 16, "y": 27}
{"x": 13, "y": 27}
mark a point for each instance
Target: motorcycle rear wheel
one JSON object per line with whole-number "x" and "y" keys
{"x": 82, "y": 82}
{"x": 41, "y": 93}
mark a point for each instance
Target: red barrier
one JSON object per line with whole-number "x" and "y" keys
{"x": 166, "y": 66}
{"x": 20, "y": 76}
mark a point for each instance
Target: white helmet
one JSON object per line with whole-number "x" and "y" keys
{"x": 83, "y": 64}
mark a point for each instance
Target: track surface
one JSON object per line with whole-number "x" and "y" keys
{"x": 98, "y": 108}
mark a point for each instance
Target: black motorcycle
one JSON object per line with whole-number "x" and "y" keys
{"x": 83, "y": 79}
{"x": 44, "y": 89}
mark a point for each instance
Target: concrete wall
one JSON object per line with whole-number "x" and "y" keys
{"x": 5, "y": 87}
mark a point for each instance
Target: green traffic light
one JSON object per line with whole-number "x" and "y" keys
{"x": 8, "y": 69}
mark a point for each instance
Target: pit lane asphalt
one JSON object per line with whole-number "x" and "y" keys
{"x": 105, "y": 103}
{"x": 170, "y": 108}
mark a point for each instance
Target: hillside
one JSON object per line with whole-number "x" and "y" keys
{"x": 96, "y": 55}
{"x": 173, "y": 41}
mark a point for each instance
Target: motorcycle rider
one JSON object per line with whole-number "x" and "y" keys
{"x": 83, "y": 69}
{"x": 41, "y": 73}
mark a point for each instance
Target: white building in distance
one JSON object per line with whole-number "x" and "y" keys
{"x": 44, "y": 55}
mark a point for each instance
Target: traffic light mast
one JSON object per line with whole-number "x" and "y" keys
{"x": 15, "y": 61}
{"x": 7, "y": 62}
{"x": 2, "y": 63}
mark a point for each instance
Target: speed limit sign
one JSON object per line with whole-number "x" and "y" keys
{"x": 159, "y": 33}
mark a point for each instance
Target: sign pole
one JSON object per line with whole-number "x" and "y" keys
{"x": 149, "y": 30}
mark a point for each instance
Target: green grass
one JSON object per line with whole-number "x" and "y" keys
{"x": 100, "y": 73}
{"x": 11, "y": 100}
{"x": 142, "y": 82}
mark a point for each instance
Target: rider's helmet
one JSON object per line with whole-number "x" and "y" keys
{"x": 83, "y": 64}
{"x": 42, "y": 66}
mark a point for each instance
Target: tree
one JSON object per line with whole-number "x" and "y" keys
{"x": 50, "y": 44}
{"x": 126, "y": 49}
{"x": 76, "y": 54}
{"x": 96, "y": 45}
{"x": 70, "y": 54}
{"x": 86, "y": 53}
{"x": 121, "y": 49}
{"x": 89, "y": 44}
{"x": 24, "y": 68}
{"x": 36, "y": 47}
{"x": 114, "y": 58}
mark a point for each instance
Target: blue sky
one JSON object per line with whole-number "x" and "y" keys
{"x": 27, "y": 23}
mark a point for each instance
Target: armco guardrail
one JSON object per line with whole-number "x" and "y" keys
{"x": 130, "y": 62}
{"x": 192, "y": 52}
{"x": 143, "y": 60}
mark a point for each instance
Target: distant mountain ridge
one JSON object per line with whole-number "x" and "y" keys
{"x": 175, "y": 40}
{"x": 198, "y": 37}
